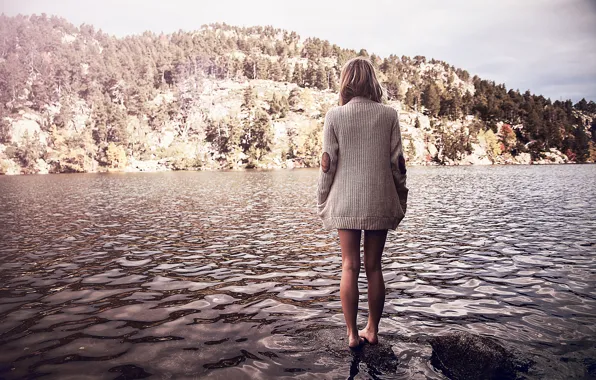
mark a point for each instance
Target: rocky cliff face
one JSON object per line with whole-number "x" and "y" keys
{"x": 76, "y": 100}
{"x": 221, "y": 101}
{"x": 422, "y": 145}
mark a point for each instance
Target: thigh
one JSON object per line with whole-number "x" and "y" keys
{"x": 349, "y": 241}
{"x": 374, "y": 243}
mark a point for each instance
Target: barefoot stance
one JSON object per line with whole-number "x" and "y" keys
{"x": 371, "y": 337}
{"x": 355, "y": 341}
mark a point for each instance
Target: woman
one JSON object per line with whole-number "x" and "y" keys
{"x": 362, "y": 186}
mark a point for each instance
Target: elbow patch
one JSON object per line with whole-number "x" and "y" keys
{"x": 401, "y": 164}
{"x": 325, "y": 162}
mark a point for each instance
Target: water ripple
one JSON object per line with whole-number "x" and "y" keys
{"x": 230, "y": 275}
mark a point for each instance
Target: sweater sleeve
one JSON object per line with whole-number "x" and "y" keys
{"x": 398, "y": 165}
{"x": 328, "y": 161}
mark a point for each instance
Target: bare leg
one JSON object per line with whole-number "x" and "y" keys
{"x": 374, "y": 242}
{"x": 349, "y": 240}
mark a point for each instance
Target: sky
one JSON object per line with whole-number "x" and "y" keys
{"x": 546, "y": 46}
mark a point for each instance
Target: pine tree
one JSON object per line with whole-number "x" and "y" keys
{"x": 285, "y": 106}
{"x": 321, "y": 81}
{"x": 551, "y": 131}
{"x": 467, "y": 101}
{"x": 451, "y": 105}
{"x": 333, "y": 81}
{"x": 532, "y": 124}
{"x": 582, "y": 105}
{"x": 263, "y": 134}
{"x": 411, "y": 149}
{"x": 456, "y": 106}
{"x": 258, "y": 138}
{"x": 431, "y": 99}
{"x": 310, "y": 77}
{"x": 248, "y": 109}
{"x": 249, "y": 100}
{"x": 393, "y": 83}
{"x": 374, "y": 59}
{"x": 287, "y": 72}
{"x": 263, "y": 68}
{"x": 411, "y": 97}
{"x": 298, "y": 76}
{"x": 581, "y": 145}
{"x": 326, "y": 50}
{"x": 250, "y": 68}
{"x": 276, "y": 72}
{"x": 5, "y": 127}
{"x": 275, "y": 105}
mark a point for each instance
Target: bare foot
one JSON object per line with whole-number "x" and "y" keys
{"x": 355, "y": 341}
{"x": 368, "y": 334}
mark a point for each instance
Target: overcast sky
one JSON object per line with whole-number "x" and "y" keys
{"x": 547, "y": 46}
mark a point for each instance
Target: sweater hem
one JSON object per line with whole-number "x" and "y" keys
{"x": 361, "y": 223}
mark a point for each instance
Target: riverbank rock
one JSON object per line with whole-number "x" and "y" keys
{"x": 9, "y": 167}
{"x": 478, "y": 156}
{"x": 553, "y": 156}
{"x": 523, "y": 159}
{"x": 463, "y": 356}
{"x": 42, "y": 166}
{"x": 146, "y": 166}
{"x": 27, "y": 126}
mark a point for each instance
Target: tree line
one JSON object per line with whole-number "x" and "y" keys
{"x": 46, "y": 60}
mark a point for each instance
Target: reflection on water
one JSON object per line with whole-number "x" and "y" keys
{"x": 230, "y": 274}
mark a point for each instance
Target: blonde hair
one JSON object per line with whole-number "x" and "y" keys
{"x": 358, "y": 78}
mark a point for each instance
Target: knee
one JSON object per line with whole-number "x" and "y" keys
{"x": 351, "y": 266}
{"x": 372, "y": 267}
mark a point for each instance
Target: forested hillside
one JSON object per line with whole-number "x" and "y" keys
{"x": 74, "y": 99}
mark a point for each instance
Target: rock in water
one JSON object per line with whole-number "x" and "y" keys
{"x": 377, "y": 360}
{"x": 463, "y": 356}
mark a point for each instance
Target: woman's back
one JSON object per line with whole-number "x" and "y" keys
{"x": 358, "y": 191}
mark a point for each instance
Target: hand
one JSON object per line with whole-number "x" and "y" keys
{"x": 404, "y": 206}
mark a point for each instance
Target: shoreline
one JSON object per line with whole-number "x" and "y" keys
{"x": 274, "y": 168}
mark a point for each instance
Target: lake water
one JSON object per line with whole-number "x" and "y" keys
{"x": 230, "y": 274}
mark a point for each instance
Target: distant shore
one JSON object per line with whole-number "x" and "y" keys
{"x": 160, "y": 169}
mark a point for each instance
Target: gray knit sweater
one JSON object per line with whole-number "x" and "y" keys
{"x": 362, "y": 179}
